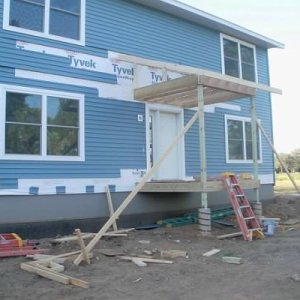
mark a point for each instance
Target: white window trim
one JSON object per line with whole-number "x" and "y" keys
{"x": 239, "y": 42}
{"x": 44, "y": 94}
{"x": 46, "y": 34}
{"x": 240, "y": 161}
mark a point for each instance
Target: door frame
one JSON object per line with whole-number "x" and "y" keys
{"x": 180, "y": 122}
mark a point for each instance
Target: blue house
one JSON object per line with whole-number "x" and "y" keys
{"x": 71, "y": 122}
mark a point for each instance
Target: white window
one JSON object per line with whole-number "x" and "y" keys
{"x": 56, "y": 19}
{"x": 238, "y": 134}
{"x": 238, "y": 59}
{"x": 39, "y": 124}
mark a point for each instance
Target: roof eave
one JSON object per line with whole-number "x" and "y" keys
{"x": 200, "y": 17}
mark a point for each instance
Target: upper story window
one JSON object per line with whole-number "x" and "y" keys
{"x": 238, "y": 135}
{"x": 40, "y": 124}
{"x": 56, "y": 19}
{"x": 239, "y": 59}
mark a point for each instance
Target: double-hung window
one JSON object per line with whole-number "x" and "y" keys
{"x": 56, "y": 19}
{"x": 42, "y": 125}
{"x": 238, "y": 132}
{"x": 239, "y": 59}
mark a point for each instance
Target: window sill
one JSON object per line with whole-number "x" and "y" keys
{"x": 80, "y": 42}
{"x": 41, "y": 158}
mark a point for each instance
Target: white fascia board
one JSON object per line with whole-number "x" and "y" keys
{"x": 200, "y": 17}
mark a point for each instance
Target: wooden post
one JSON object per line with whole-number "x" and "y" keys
{"x": 110, "y": 207}
{"x": 130, "y": 197}
{"x": 82, "y": 247}
{"x": 254, "y": 145}
{"x": 278, "y": 157}
{"x": 202, "y": 143}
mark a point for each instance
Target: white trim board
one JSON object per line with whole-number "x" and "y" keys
{"x": 125, "y": 183}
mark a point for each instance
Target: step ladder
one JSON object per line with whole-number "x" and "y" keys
{"x": 245, "y": 216}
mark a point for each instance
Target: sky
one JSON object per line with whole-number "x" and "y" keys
{"x": 279, "y": 20}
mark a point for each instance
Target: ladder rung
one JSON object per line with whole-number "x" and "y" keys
{"x": 254, "y": 229}
{"x": 249, "y": 218}
{"x": 235, "y": 184}
{"x": 240, "y": 195}
{"x": 245, "y": 206}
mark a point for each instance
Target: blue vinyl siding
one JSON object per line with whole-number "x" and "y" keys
{"x": 123, "y": 26}
{"x": 8, "y": 183}
{"x": 114, "y": 139}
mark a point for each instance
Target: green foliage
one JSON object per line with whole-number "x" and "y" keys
{"x": 291, "y": 160}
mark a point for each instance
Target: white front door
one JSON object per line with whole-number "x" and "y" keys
{"x": 164, "y": 125}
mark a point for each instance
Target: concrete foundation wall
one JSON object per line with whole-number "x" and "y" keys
{"x": 61, "y": 214}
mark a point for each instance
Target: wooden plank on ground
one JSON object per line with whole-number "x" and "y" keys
{"x": 230, "y": 235}
{"x": 45, "y": 273}
{"x": 211, "y": 252}
{"x": 130, "y": 197}
{"x": 85, "y": 236}
{"x": 35, "y": 267}
{"x": 231, "y": 260}
{"x": 150, "y": 260}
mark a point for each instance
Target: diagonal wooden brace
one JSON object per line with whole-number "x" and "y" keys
{"x": 130, "y": 197}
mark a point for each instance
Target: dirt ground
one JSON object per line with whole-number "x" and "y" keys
{"x": 266, "y": 273}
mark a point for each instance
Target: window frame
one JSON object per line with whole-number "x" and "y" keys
{"x": 239, "y": 42}
{"x": 45, "y": 33}
{"x": 245, "y": 160}
{"x": 44, "y": 94}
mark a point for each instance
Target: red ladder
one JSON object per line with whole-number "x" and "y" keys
{"x": 247, "y": 221}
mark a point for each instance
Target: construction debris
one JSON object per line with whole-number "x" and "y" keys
{"x": 229, "y": 235}
{"x": 144, "y": 259}
{"x": 139, "y": 263}
{"x": 211, "y": 252}
{"x": 173, "y": 253}
{"x": 231, "y": 260}
{"x": 118, "y": 233}
{"x": 53, "y": 275}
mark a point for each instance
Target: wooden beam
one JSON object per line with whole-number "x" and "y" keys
{"x": 71, "y": 280}
{"x": 202, "y": 143}
{"x": 110, "y": 206}
{"x": 194, "y": 186}
{"x": 45, "y": 273}
{"x": 254, "y": 144}
{"x": 278, "y": 157}
{"x": 85, "y": 236}
{"x": 225, "y": 85}
{"x": 130, "y": 197}
{"x": 192, "y": 70}
{"x": 82, "y": 246}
